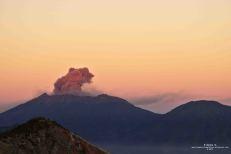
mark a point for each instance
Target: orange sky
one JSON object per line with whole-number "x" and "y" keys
{"x": 133, "y": 47}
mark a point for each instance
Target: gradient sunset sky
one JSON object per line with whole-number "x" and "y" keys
{"x": 168, "y": 51}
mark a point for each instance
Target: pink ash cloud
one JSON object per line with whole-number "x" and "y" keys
{"x": 73, "y": 81}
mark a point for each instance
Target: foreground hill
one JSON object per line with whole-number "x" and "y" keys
{"x": 46, "y": 137}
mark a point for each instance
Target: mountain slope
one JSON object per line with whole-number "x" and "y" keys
{"x": 199, "y": 122}
{"x": 41, "y": 135}
{"x": 100, "y": 118}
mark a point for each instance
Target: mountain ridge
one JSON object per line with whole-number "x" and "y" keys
{"x": 105, "y": 118}
{"x": 106, "y": 96}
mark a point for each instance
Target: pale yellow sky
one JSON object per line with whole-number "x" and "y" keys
{"x": 133, "y": 47}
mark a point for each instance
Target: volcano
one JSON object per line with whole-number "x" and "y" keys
{"x": 108, "y": 119}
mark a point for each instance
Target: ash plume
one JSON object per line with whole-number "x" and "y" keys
{"x": 73, "y": 81}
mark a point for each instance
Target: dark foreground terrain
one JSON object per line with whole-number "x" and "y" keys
{"x": 42, "y": 136}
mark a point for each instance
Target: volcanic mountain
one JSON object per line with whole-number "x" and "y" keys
{"x": 44, "y": 136}
{"x": 100, "y": 118}
{"x": 108, "y": 119}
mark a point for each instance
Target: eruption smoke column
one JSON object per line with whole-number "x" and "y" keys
{"x": 73, "y": 81}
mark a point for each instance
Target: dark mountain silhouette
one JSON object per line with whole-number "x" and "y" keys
{"x": 199, "y": 122}
{"x": 100, "y": 118}
{"x": 111, "y": 119}
{"x": 43, "y": 136}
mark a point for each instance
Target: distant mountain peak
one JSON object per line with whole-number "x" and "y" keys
{"x": 204, "y": 102}
{"x": 201, "y": 104}
{"x": 199, "y": 108}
